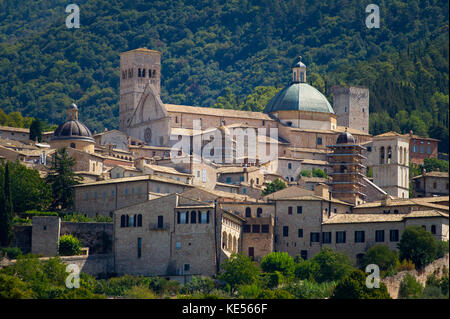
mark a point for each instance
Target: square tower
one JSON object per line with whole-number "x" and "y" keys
{"x": 138, "y": 68}
{"x": 390, "y": 161}
{"x": 351, "y": 105}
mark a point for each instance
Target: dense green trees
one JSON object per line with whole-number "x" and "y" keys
{"x": 353, "y": 286}
{"x": 278, "y": 261}
{"x": 381, "y": 256}
{"x": 228, "y": 54}
{"x": 36, "y": 130}
{"x": 238, "y": 270}
{"x": 418, "y": 245}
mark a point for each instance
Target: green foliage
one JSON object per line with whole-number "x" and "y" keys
{"x": 434, "y": 164}
{"x": 69, "y": 245}
{"x": 410, "y": 288}
{"x": 254, "y": 291}
{"x": 317, "y": 172}
{"x": 272, "y": 280}
{"x": 305, "y": 173}
{"x": 307, "y": 270}
{"x": 36, "y": 130}
{"x": 62, "y": 179}
{"x": 333, "y": 265}
{"x": 442, "y": 249}
{"x": 238, "y": 270}
{"x": 11, "y": 252}
{"x": 199, "y": 284}
{"x": 417, "y": 245}
{"x": 6, "y": 206}
{"x": 353, "y": 286}
{"x": 273, "y": 187}
{"x": 81, "y": 218}
{"x": 31, "y": 213}
{"x": 12, "y": 287}
{"x": 119, "y": 286}
{"x": 278, "y": 261}
{"x": 140, "y": 292}
{"x": 28, "y": 190}
{"x": 383, "y": 257}
{"x": 307, "y": 289}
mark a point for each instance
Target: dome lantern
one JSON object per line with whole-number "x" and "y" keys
{"x": 298, "y": 71}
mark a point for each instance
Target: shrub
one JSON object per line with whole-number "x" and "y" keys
{"x": 69, "y": 246}
{"x": 333, "y": 266}
{"x": 353, "y": 286}
{"x": 442, "y": 249}
{"x": 119, "y": 286}
{"x": 410, "y": 288}
{"x": 31, "y": 213}
{"x": 381, "y": 256}
{"x": 12, "y": 287}
{"x": 11, "y": 252}
{"x": 140, "y": 292}
{"x": 317, "y": 172}
{"x": 238, "y": 270}
{"x": 305, "y": 172}
{"x": 272, "y": 280}
{"x": 406, "y": 265}
{"x": 278, "y": 261}
{"x": 21, "y": 221}
{"x": 431, "y": 292}
{"x": 162, "y": 286}
{"x": 198, "y": 284}
{"x": 417, "y": 245}
{"x": 307, "y": 269}
{"x": 307, "y": 289}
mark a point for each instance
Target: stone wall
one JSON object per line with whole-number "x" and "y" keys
{"x": 45, "y": 235}
{"x": 22, "y": 238}
{"x": 393, "y": 283}
{"x": 97, "y": 236}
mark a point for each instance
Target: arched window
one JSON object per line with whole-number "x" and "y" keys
{"x": 405, "y": 156}
{"x": 139, "y": 220}
{"x": 302, "y": 77}
{"x": 382, "y": 155}
{"x": 72, "y": 145}
{"x": 143, "y": 73}
{"x": 122, "y": 221}
{"x": 389, "y": 155}
{"x": 248, "y": 212}
{"x": 259, "y": 212}
{"x": 230, "y": 243}
{"x": 193, "y": 217}
{"x": 154, "y": 74}
{"x": 401, "y": 156}
{"x": 149, "y": 73}
{"x": 224, "y": 240}
{"x": 295, "y": 76}
{"x": 235, "y": 248}
{"x": 139, "y": 73}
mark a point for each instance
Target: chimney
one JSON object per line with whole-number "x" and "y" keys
{"x": 386, "y": 200}
{"x": 322, "y": 190}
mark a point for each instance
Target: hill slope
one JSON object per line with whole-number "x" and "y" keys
{"x": 226, "y": 48}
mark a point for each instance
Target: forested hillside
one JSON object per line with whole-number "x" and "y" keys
{"x": 227, "y": 53}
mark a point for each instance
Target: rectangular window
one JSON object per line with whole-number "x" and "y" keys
{"x": 241, "y": 178}
{"x": 187, "y": 267}
{"x": 428, "y": 150}
{"x": 178, "y": 245}
{"x": 204, "y": 176}
{"x": 204, "y": 218}
{"x": 421, "y": 148}
{"x": 183, "y": 218}
{"x": 300, "y": 233}
{"x": 255, "y": 228}
{"x": 319, "y": 141}
{"x": 304, "y": 254}
{"x": 326, "y": 237}
{"x": 264, "y": 228}
{"x": 228, "y": 180}
{"x": 285, "y": 231}
{"x": 314, "y": 237}
{"x": 139, "y": 252}
{"x": 290, "y": 210}
{"x": 394, "y": 235}
{"x": 160, "y": 221}
{"x": 340, "y": 237}
{"x": 247, "y": 228}
{"x": 299, "y": 209}
{"x": 379, "y": 236}
{"x": 359, "y": 236}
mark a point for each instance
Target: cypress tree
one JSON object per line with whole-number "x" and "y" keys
{"x": 6, "y": 209}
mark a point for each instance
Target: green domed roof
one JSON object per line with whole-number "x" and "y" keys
{"x": 299, "y": 97}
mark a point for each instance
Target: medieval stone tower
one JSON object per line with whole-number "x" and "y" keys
{"x": 138, "y": 68}
{"x": 351, "y": 105}
{"x": 390, "y": 161}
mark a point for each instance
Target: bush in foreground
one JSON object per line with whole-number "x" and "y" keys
{"x": 69, "y": 246}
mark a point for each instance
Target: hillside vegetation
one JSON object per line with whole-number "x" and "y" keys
{"x": 226, "y": 53}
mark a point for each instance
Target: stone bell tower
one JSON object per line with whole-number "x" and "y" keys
{"x": 138, "y": 68}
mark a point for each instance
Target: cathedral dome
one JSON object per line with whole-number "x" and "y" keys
{"x": 299, "y": 97}
{"x": 72, "y": 129}
{"x": 345, "y": 138}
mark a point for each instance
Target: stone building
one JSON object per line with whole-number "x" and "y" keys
{"x": 430, "y": 184}
{"x": 351, "y": 105}
{"x": 15, "y": 133}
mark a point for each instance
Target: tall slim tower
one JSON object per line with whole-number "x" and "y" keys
{"x": 348, "y": 170}
{"x": 390, "y": 161}
{"x": 137, "y": 68}
{"x": 351, "y": 105}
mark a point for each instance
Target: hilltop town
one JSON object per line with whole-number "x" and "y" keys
{"x": 187, "y": 186}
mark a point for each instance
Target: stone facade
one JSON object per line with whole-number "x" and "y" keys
{"x": 45, "y": 235}
{"x": 430, "y": 184}
{"x": 351, "y": 105}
